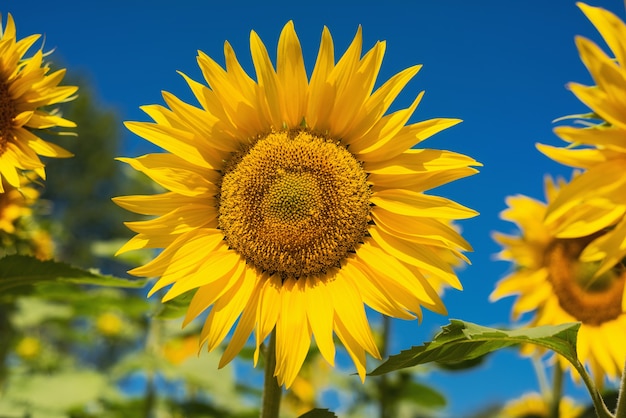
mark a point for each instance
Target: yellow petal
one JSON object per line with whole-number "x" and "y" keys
{"x": 354, "y": 349}
{"x": 198, "y": 239}
{"x": 267, "y": 79}
{"x": 608, "y": 76}
{"x": 600, "y": 102}
{"x": 394, "y": 275}
{"x": 385, "y": 131}
{"x": 157, "y": 204}
{"x": 227, "y": 309}
{"x": 373, "y": 295}
{"x": 350, "y": 311}
{"x": 406, "y": 138}
{"x": 408, "y": 203}
{"x": 268, "y": 310}
{"x": 176, "y": 141}
{"x": 321, "y": 94}
{"x": 427, "y": 228}
{"x": 207, "y": 294}
{"x": 350, "y": 101}
{"x": 600, "y": 136}
{"x": 580, "y": 158}
{"x": 175, "y": 174}
{"x": 218, "y": 263}
{"x": 609, "y": 249}
{"x": 293, "y": 335}
{"x": 291, "y": 75}
{"x": 41, "y": 147}
{"x": 246, "y": 323}
{"x": 379, "y": 102}
{"x": 320, "y": 312}
{"x": 610, "y": 27}
{"x": 419, "y": 256}
{"x": 601, "y": 188}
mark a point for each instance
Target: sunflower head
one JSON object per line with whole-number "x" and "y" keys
{"x": 292, "y": 202}
{"x": 533, "y": 405}
{"x": 16, "y": 203}
{"x": 595, "y": 202}
{"x": 109, "y": 324}
{"x": 27, "y": 90}
{"x": 552, "y": 280}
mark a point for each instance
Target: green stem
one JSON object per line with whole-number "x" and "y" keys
{"x": 557, "y": 390}
{"x": 620, "y": 412}
{"x": 271, "y": 391}
{"x": 601, "y": 410}
{"x": 153, "y": 339}
{"x": 383, "y": 383}
{"x": 542, "y": 379}
{"x": 8, "y": 334}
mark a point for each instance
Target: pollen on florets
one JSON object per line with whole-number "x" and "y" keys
{"x": 294, "y": 203}
{"x": 7, "y": 113}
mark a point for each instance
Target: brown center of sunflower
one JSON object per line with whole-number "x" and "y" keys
{"x": 294, "y": 203}
{"x": 7, "y": 113}
{"x": 590, "y": 299}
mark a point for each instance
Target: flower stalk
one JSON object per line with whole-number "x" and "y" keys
{"x": 601, "y": 410}
{"x": 557, "y": 391}
{"x": 272, "y": 392}
{"x": 620, "y": 412}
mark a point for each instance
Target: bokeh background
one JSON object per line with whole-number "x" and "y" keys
{"x": 501, "y": 66}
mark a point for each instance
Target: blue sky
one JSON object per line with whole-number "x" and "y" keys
{"x": 501, "y": 66}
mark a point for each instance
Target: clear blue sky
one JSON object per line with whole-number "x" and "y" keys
{"x": 501, "y": 66}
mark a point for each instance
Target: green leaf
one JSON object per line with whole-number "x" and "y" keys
{"x": 318, "y": 413}
{"x": 57, "y": 392}
{"x": 422, "y": 395}
{"x": 463, "y": 365}
{"x": 20, "y": 270}
{"x": 461, "y": 341}
{"x": 176, "y": 307}
{"x": 33, "y": 311}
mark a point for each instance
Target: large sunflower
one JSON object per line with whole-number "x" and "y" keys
{"x": 26, "y": 89}
{"x": 596, "y": 200}
{"x": 292, "y": 202}
{"x": 551, "y": 280}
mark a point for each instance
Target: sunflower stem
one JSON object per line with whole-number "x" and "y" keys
{"x": 620, "y": 412}
{"x": 542, "y": 378}
{"x": 272, "y": 392}
{"x": 386, "y": 407}
{"x": 557, "y": 390}
{"x": 601, "y": 410}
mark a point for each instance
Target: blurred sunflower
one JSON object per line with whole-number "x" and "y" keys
{"x": 291, "y": 202}
{"x": 15, "y": 203}
{"x": 109, "y": 324}
{"x": 596, "y": 200}
{"x": 26, "y": 89}
{"x": 533, "y": 405}
{"x": 550, "y": 279}
{"x": 20, "y": 232}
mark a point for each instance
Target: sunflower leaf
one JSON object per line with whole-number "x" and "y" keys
{"x": 318, "y": 413}
{"x": 460, "y": 341}
{"x": 422, "y": 395}
{"x": 20, "y": 270}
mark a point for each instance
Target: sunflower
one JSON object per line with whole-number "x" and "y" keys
{"x": 292, "y": 202}
{"x": 20, "y": 231}
{"x": 15, "y": 203}
{"x": 26, "y": 88}
{"x": 533, "y": 405}
{"x": 550, "y": 279}
{"x": 596, "y": 200}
